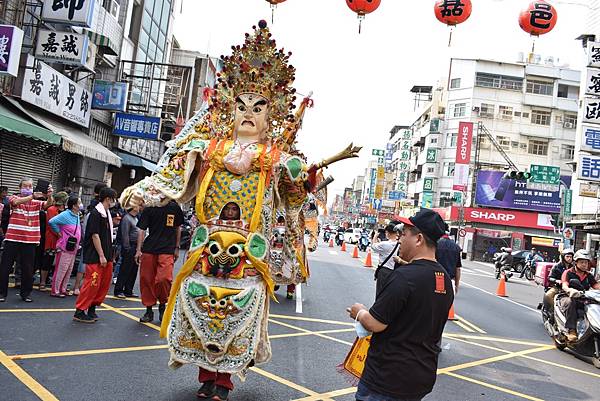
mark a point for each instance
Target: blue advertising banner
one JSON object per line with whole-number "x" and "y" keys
{"x": 495, "y": 191}
{"x": 109, "y": 95}
{"x": 137, "y": 126}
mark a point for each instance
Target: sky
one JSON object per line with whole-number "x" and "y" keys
{"x": 361, "y": 83}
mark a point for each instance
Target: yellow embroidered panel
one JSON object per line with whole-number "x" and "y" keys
{"x": 227, "y": 187}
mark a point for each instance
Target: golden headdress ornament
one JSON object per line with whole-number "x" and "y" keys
{"x": 258, "y": 67}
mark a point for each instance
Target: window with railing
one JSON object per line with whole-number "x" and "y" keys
{"x": 567, "y": 152}
{"x": 570, "y": 121}
{"x": 498, "y": 81}
{"x": 486, "y": 110}
{"x": 540, "y": 117}
{"x": 503, "y": 141}
{"x": 539, "y": 148}
{"x": 505, "y": 112}
{"x": 540, "y": 87}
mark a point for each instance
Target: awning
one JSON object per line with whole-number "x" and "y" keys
{"x": 11, "y": 121}
{"x": 73, "y": 139}
{"x": 104, "y": 42}
{"x": 136, "y": 161}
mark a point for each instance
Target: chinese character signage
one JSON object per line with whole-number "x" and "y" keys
{"x": 588, "y": 190}
{"x": 428, "y": 184}
{"x": 48, "y": 89}
{"x": 11, "y": 40}
{"x": 568, "y": 202}
{"x": 62, "y": 47}
{"x": 463, "y": 155}
{"x": 591, "y": 110}
{"x": 378, "y": 152}
{"x": 591, "y": 138}
{"x": 431, "y": 156}
{"x": 427, "y": 200}
{"x": 137, "y": 126}
{"x": 593, "y": 54}
{"x": 588, "y": 168}
{"x": 109, "y": 95}
{"x": 69, "y": 12}
{"x": 396, "y": 195}
{"x": 495, "y": 191}
{"x": 592, "y": 86}
{"x": 545, "y": 174}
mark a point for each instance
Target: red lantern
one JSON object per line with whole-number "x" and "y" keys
{"x": 538, "y": 18}
{"x": 452, "y": 12}
{"x": 362, "y": 8}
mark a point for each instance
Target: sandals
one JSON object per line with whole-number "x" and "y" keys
{"x": 207, "y": 391}
{"x": 42, "y": 288}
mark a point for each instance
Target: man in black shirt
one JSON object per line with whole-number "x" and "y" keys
{"x": 157, "y": 254}
{"x": 97, "y": 256}
{"x": 408, "y": 318}
{"x": 448, "y": 255}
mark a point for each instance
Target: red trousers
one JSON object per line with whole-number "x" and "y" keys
{"x": 95, "y": 285}
{"x": 156, "y": 275}
{"x": 220, "y": 379}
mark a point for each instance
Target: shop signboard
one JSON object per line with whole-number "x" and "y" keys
{"x": 396, "y": 195}
{"x": 593, "y": 54}
{"x": 136, "y": 126}
{"x": 427, "y": 200}
{"x": 568, "y": 202}
{"x": 110, "y": 95}
{"x": 69, "y": 12}
{"x": 463, "y": 156}
{"x": 541, "y": 241}
{"x": 11, "y": 41}
{"x": 590, "y": 140}
{"x": 62, "y": 47}
{"x": 591, "y": 110}
{"x": 592, "y": 85}
{"x": 378, "y": 152}
{"x": 502, "y": 217}
{"x": 588, "y": 190}
{"x": 493, "y": 190}
{"x": 588, "y": 168}
{"x": 431, "y": 156}
{"x": 48, "y": 89}
{"x": 428, "y": 184}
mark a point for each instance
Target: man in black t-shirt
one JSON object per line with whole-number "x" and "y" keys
{"x": 157, "y": 254}
{"x": 448, "y": 255}
{"x": 408, "y": 318}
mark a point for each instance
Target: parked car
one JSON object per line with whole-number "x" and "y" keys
{"x": 519, "y": 260}
{"x": 352, "y": 235}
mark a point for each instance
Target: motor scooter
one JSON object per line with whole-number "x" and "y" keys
{"x": 499, "y": 268}
{"x": 339, "y": 238}
{"x": 363, "y": 242}
{"x": 326, "y": 235}
{"x": 588, "y": 326}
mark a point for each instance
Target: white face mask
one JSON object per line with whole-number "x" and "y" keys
{"x": 112, "y": 204}
{"x": 361, "y": 332}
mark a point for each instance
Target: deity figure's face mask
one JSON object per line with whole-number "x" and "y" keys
{"x": 251, "y": 116}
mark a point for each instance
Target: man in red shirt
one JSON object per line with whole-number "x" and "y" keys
{"x": 578, "y": 276}
{"x": 22, "y": 236}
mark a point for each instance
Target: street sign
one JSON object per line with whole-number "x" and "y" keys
{"x": 462, "y": 232}
{"x": 568, "y": 199}
{"x": 544, "y": 174}
{"x": 568, "y": 233}
{"x": 378, "y": 152}
{"x": 377, "y": 204}
{"x": 428, "y": 184}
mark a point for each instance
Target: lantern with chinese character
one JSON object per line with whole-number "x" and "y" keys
{"x": 538, "y": 18}
{"x": 362, "y": 8}
{"x": 273, "y": 7}
{"x": 452, "y": 12}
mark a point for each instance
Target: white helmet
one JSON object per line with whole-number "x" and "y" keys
{"x": 582, "y": 254}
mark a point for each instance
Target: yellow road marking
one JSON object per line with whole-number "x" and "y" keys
{"x": 130, "y": 316}
{"x": 286, "y": 382}
{"x": 309, "y": 319}
{"x": 465, "y": 321}
{"x": 336, "y": 393}
{"x": 86, "y": 352}
{"x": 492, "y": 386}
{"x": 311, "y": 332}
{"x": 464, "y": 326}
{"x": 40, "y": 391}
{"x": 34, "y": 310}
{"x": 498, "y": 339}
{"x": 124, "y": 299}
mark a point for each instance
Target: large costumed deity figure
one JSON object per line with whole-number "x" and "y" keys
{"x": 237, "y": 158}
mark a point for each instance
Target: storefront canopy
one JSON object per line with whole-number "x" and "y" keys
{"x": 13, "y": 122}
{"x": 136, "y": 161}
{"x": 73, "y": 139}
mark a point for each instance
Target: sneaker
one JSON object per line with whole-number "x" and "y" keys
{"x": 114, "y": 280}
{"x": 572, "y": 336}
{"x": 120, "y": 295}
{"x": 132, "y": 295}
{"x": 92, "y": 313}
{"x": 2, "y": 298}
{"x": 161, "y": 311}
{"x": 148, "y": 317}
{"x": 206, "y": 391}
{"x": 80, "y": 316}
{"x": 221, "y": 394}
{"x": 27, "y": 299}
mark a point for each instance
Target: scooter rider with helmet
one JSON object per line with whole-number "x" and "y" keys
{"x": 504, "y": 262}
{"x": 575, "y": 280}
{"x": 555, "y": 277}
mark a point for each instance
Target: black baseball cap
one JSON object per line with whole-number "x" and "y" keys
{"x": 429, "y": 222}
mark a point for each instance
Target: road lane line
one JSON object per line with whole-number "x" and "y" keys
{"x": 501, "y": 298}
{"x": 494, "y": 387}
{"x": 311, "y": 332}
{"x": 465, "y": 327}
{"x": 299, "y": 298}
{"x": 129, "y": 316}
{"x": 34, "y": 310}
{"x": 333, "y": 252}
{"x": 465, "y": 321}
{"x": 336, "y": 393}
{"x": 310, "y": 319}
{"x": 286, "y": 382}
{"x": 40, "y": 391}
{"x": 498, "y": 339}
{"x": 86, "y": 352}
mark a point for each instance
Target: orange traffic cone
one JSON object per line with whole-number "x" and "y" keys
{"x": 355, "y": 253}
{"x": 343, "y": 247}
{"x": 501, "y": 291}
{"x": 368, "y": 260}
{"x": 451, "y": 313}
{"x": 331, "y": 242}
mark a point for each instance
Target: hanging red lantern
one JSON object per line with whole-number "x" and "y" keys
{"x": 273, "y": 4}
{"x": 452, "y": 12}
{"x": 362, "y": 8}
{"x": 538, "y": 18}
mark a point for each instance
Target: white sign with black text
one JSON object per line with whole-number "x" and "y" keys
{"x": 593, "y": 54}
{"x": 48, "y": 89}
{"x": 592, "y": 85}
{"x": 69, "y": 12}
{"x": 62, "y": 47}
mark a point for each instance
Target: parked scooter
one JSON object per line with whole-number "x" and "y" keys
{"x": 363, "y": 242}
{"x": 588, "y": 326}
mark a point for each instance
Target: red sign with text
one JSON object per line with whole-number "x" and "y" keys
{"x": 505, "y": 217}
{"x": 463, "y": 155}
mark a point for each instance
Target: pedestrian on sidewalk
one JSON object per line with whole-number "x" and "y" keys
{"x": 385, "y": 250}
{"x": 448, "y": 254}
{"x": 68, "y": 226}
{"x": 129, "y": 267}
{"x": 97, "y": 256}
{"x": 4, "y": 211}
{"x": 157, "y": 255}
{"x": 408, "y": 318}
{"x": 22, "y": 236}
{"x": 50, "y": 238}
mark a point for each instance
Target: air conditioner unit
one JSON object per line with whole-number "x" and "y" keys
{"x": 568, "y": 125}
{"x": 476, "y": 109}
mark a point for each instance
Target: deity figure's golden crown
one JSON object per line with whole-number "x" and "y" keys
{"x": 256, "y": 67}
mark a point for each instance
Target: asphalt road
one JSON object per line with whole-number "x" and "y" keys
{"x": 496, "y": 350}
